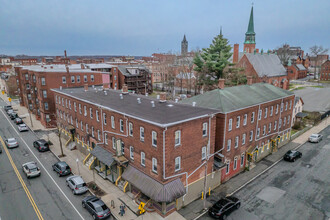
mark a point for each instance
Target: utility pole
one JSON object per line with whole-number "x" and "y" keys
{"x": 59, "y": 138}
{"x": 204, "y": 203}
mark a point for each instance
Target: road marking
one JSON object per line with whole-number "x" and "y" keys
{"x": 44, "y": 167}
{"x": 21, "y": 181}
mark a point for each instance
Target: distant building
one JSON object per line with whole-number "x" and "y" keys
{"x": 325, "y": 71}
{"x": 296, "y": 71}
{"x": 298, "y": 108}
{"x": 184, "y": 46}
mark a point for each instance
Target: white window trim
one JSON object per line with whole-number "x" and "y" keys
{"x": 175, "y": 163}
{"x": 130, "y": 128}
{"x": 142, "y": 132}
{"x": 143, "y": 159}
{"x": 228, "y": 145}
{"x": 204, "y": 153}
{"x": 131, "y": 152}
{"x": 227, "y": 166}
{"x": 235, "y": 163}
{"x": 154, "y": 164}
{"x": 153, "y": 138}
{"x": 179, "y": 143}
{"x": 238, "y": 121}
{"x": 245, "y": 119}
{"x": 230, "y": 124}
{"x": 205, "y": 129}
{"x": 121, "y": 125}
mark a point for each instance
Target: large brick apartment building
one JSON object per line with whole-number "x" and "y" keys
{"x": 155, "y": 149}
{"x": 325, "y": 71}
{"x": 254, "y": 120}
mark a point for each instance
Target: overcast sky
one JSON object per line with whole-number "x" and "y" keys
{"x": 143, "y": 27}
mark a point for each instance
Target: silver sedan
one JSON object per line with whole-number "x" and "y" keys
{"x": 22, "y": 127}
{"x": 315, "y": 138}
{"x": 11, "y": 143}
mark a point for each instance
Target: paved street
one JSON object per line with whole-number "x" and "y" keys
{"x": 51, "y": 196}
{"x": 298, "y": 190}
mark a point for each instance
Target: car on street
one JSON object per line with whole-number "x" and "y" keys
{"x": 96, "y": 207}
{"x": 62, "y": 168}
{"x": 7, "y": 107}
{"x": 18, "y": 121}
{"x": 11, "y": 143}
{"x": 315, "y": 138}
{"x": 13, "y": 115}
{"x": 222, "y": 208}
{"x": 22, "y": 127}
{"x": 41, "y": 144}
{"x": 292, "y": 155}
{"x": 31, "y": 169}
{"x": 76, "y": 184}
{"x": 9, "y": 111}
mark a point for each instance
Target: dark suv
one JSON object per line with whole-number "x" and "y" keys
{"x": 96, "y": 207}
{"x": 13, "y": 115}
{"x": 42, "y": 145}
{"x": 222, "y": 208}
{"x": 62, "y": 168}
{"x": 292, "y": 155}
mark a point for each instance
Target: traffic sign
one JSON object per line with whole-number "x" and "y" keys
{"x": 3, "y": 92}
{"x": 9, "y": 99}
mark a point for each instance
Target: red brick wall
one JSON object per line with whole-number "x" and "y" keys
{"x": 325, "y": 71}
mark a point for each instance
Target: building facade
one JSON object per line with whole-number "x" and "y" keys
{"x": 296, "y": 71}
{"x": 325, "y": 71}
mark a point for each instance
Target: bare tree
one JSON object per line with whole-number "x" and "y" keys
{"x": 283, "y": 54}
{"x": 316, "y": 51}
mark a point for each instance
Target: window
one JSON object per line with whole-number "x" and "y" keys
{"x": 280, "y": 123}
{"x": 104, "y": 118}
{"x": 46, "y": 105}
{"x": 143, "y": 159}
{"x": 69, "y": 104}
{"x": 245, "y": 119}
{"x": 56, "y": 99}
{"x": 130, "y": 128}
{"x": 264, "y": 130}
{"x": 243, "y": 139}
{"x": 252, "y": 117}
{"x": 87, "y": 128}
{"x": 75, "y": 106}
{"x": 90, "y": 112}
{"x": 85, "y": 78}
{"x": 204, "y": 129}
{"x": 81, "y": 125}
{"x": 270, "y": 127}
{"x": 26, "y": 76}
{"x": 203, "y": 153}
{"x": 63, "y": 79}
{"x": 106, "y": 138}
{"x": 235, "y": 163}
{"x": 72, "y": 79}
{"x": 284, "y": 121}
{"x": 141, "y": 133}
{"x": 85, "y": 110}
{"x": 289, "y": 119}
{"x": 259, "y": 114}
{"x": 236, "y": 141}
{"x": 266, "y": 112}
{"x": 92, "y": 78}
{"x": 97, "y": 115}
{"x": 121, "y": 123}
{"x": 112, "y": 122}
{"x": 177, "y": 138}
{"x": 275, "y": 124}
{"x": 227, "y": 166}
{"x": 276, "y": 109}
{"x": 131, "y": 152}
{"x": 230, "y": 124}
{"x": 66, "y": 103}
{"x": 80, "y": 108}
{"x": 78, "y": 79}
{"x": 271, "y": 110}
{"x": 93, "y": 131}
{"x": 47, "y": 118}
{"x": 258, "y": 132}
{"x": 27, "y": 86}
{"x": 282, "y": 107}
{"x": 114, "y": 143}
{"x": 242, "y": 159}
{"x": 228, "y": 144}
{"x": 43, "y": 80}
{"x": 154, "y": 138}
{"x": 290, "y": 104}
{"x": 238, "y": 121}
{"x": 98, "y": 135}
{"x": 77, "y": 125}
{"x": 177, "y": 164}
{"x": 251, "y": 135}
{"x": 44, "y": 92}
{"x": 286, "y": 106}
{"x": 154, "y": 165}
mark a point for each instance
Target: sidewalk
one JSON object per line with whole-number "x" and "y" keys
{"x": 195, "y": 209}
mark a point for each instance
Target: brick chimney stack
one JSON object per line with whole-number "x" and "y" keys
{"x": 162, "y": 97}
{"x": 125, "y": 89}
{"x": 86, "y": 87}
{"x": 249, "y": 80}
{"x": 65, "y": 54}
{"x": 235, "y": 54}
{"x": 221, "y": 83}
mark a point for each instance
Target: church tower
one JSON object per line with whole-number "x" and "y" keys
{"x": 184, "y": 46}
{"x": 250, "y": 36}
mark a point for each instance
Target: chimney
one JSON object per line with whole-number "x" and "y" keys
{"x": 65, "y": 54}
{"x": 86, "y": 87}
{"x": 125, "y": 89}
{"x": 106, "y": 86}
{"x": 235, "y": 54}
{"x": 162, "y": 97}
{"x": 249, "y": 80}
{"x": 221, "y": 83}
{"x": 257, "y": 50}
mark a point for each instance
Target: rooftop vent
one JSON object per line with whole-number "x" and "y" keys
{"x": 152, "y": 104}
{"x": 139, "y": 100}
{"x": 194, "y": 104}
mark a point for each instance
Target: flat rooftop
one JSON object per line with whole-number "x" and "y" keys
{"x": 62, "y": 67}
{"x": 162, "y": 114}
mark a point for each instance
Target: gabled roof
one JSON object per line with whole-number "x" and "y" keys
{"x": 301, "y": 67}
{"x": 238, "y": 97}
{"x": 266, "y": 64}
{"x": 124, "y": 69}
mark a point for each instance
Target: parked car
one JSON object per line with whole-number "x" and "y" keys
{"x": 13, "y": 115}
{"x": 11, "y": 143}
{"x": 9, "y": 111}
{"x": 224, "y": 207}
{"x": 62, "y": 168}
{"x": 18, "y": 121}
{"x": 31, "y": 169}
{"x": 7, "y": 107}
{"x": 315, "y": 138}
{"x": 76, "y": 184}
{"x": 22, "y": 127}
{"x": 42, "y": 145}
{"x": 0, "y": 149}
{"x": 96, "y": 207}
{"x": 292, "y": 155}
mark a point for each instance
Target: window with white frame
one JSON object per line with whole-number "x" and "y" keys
{"x": 85, "y": 110}
{"x": 85, "y": 78}
{"x": 92, "y": 78}
{"x": 69, "y": 104}
{"x": 77, "y": 125}
{"x": 43, "y": 81}
{"x": 177, "y": 164}
{"x": 275, "y": 124}
{"x": 93, "y": 132}
{"x": 252, "y": 117}
{"x": 90, "y": 112}
{"x": 177, "y": 138}
{"x": 282, "y": 106}
{"x": 236, "y": 141}
{"x": 235, "y": 163}
{"x": 154, "y": 165}
{"x": 81, "y": 125}
{"x": 131, "y": 152}
{"x": 289, "y": 119}
{"x": 78, "y": 79}
{"x": 106, "y": 138}
{"x": 230, "y": 125}
{"x": 141, "y": 133}
{"x": 242, "y": 159}
{"x": 264, "y": 130}
{"x": 284, "y": 121}
{"x": 205, "y": 129}
{"x": 228, "y": 144}
{"x": 130, "y": 128}
{"x": 97, "y": 115}
{"x": 80, "y": 109}
{"x": 154, "y": 138}
{"x": 143, "y": 159}
{"x": 121, "y": 123}
{"x": 66, "y": 103}
{"x": 266, "y": 112}
{"x": 56, "y": 99}
{"x": 87, "y": 131}
{"x": 286, "y": 106}
{"x": 44, "y": 92}
{"x": 269, "y": 127}
{"x": 258, "y": 132}
{"x": 251, "y": 135}
{"x": 276, "y": 109}
{"x": 290, "y": 104}
{"x": 46, "y": 105}
{"x": 112, "y": 119}
{"x": 238, "y": 121}
{"x": 63, "y": 79}
{"x": 245, "y": 119}
{"x": 75, "y": 106}
{"x": 271, "y": 110}
{"x": 72, "y": 79}
{"x": 259, "y": 114}
{"x": 204, "y": 153}
{"x": 243, "y": 138}
{"x": 280, "y": 123}
{"x": 114, "y": 143}
{"x": 98, "y": 135}
{"x": 227, "y": 166}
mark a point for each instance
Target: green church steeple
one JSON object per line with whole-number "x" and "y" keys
{"x": 250, "y": 34}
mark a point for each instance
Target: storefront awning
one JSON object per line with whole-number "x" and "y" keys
{"x": 155, "y": 190}
{"x": 103, "y": 155}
